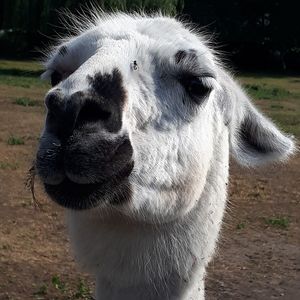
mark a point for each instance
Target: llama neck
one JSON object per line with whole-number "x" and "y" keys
{"x": 171, "y": 288}
{"x": 168, "y": 261}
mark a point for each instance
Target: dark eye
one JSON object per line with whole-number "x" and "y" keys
{"x": 196, "y": 87}
{"x": 56, "y": 78}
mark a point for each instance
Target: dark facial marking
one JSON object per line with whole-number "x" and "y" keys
{"x": 179, "y": 56}
{"x": 248, "y": 134}
{"x": 109, "y": 89}
{"x": 63, "y": 50}
{"x": 189, "y": 57}
{"x": 195, "y": 87}
{"x": 189, "y": 60}
{"x": 74, "y": 144}
{"x": 108, "y": 85}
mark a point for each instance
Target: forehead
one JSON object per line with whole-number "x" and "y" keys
{"x": 137, "y": 37}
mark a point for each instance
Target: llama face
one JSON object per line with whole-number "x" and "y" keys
{"x": 134, "y": 119}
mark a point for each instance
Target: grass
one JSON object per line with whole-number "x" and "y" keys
{"x": 81, "y": 291}
{"x": 21, "y": 65}
{"x": 41, "y": 291}
{"x": 58, "y": 284}
{"x": 21, "y": 74}
{"x": 276, "y": 106}
{"x": 277, "y": 97}
{"x": 14, "y": 140}
{"x": 278, "y": 222}
{"x": 24, "y": 101}
{"x": 8, "y": 166}
{"x": 240, "y": 226}
{"x": 262, "y": 91}
{"x": 22, "y": 81}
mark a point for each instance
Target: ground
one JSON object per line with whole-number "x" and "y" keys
{"x": 258, "y": 255}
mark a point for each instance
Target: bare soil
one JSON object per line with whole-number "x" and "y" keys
{"x": 257, "y": 260}
{"x": 257, "y": 257}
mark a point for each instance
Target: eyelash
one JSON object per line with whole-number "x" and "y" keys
{"x": 196, "y": 87}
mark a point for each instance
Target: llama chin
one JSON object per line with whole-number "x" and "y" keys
{"x": 141, "y": 120}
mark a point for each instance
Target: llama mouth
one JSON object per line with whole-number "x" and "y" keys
{"x": 114, "y": 190}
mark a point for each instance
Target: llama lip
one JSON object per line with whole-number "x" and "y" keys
{"x": 81, "y": 175}
{"x": 72, "y": 195}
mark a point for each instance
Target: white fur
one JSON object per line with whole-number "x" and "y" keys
{"x": 158, "y": 245}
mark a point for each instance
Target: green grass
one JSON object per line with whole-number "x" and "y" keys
{"x": 240, "y": 226}
{"x": 276, "y": 106}
{"x": 14, "y": 140}
{"x": 41, "y": 291}
{"x": 21, "y": 74}
{"x": 58, "y": 283}
{"x": 83, "y": 291}
{"x": 278, "y": 97}
{"x": 289, "y": 122}
{"x": 262, "y": 91}
{"x": 278, "y": 222}
{"x": 59, "y": 287}
{"x": 23, "y": 81}
{"x": 24, "y": 101}
{"x": 21, "y": 65}
{"x": 8, "y": 166}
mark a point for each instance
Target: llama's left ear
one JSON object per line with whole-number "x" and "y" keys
{"x": 253, "y": 138}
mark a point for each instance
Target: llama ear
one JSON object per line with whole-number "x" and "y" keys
{"x": 253, "y": 138}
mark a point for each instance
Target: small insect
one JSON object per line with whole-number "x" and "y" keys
{"x": 134, "y": 65}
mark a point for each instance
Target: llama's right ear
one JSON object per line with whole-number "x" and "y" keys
{"x": 254, "y": 139}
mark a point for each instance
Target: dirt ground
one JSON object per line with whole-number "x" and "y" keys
{"x": 258, "y": 255}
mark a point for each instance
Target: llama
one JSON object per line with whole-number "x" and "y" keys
{"x": 141, "y": 120}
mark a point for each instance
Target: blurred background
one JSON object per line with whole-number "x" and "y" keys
{"x": 256, "y": 34}
{"x": 259, "y": 250}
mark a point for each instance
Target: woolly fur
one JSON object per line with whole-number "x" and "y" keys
{"x": 158, "y": 245}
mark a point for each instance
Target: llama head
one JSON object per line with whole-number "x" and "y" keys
{"x": 138, "y": 110}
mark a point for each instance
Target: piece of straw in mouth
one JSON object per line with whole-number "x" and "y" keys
{"x": 30, "y": 181}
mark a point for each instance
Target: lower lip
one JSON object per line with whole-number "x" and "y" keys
{"x": 84, "y": 196}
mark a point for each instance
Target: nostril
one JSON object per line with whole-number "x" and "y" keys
{"x": 92, "y": 112}
{"x": 54, "y": 102}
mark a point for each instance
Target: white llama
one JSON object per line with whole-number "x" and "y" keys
{"x": 141, "y": 120}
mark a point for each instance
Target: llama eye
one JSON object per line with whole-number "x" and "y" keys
{"x": 196, "y": 87}
{"x": 56, "y": 78}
